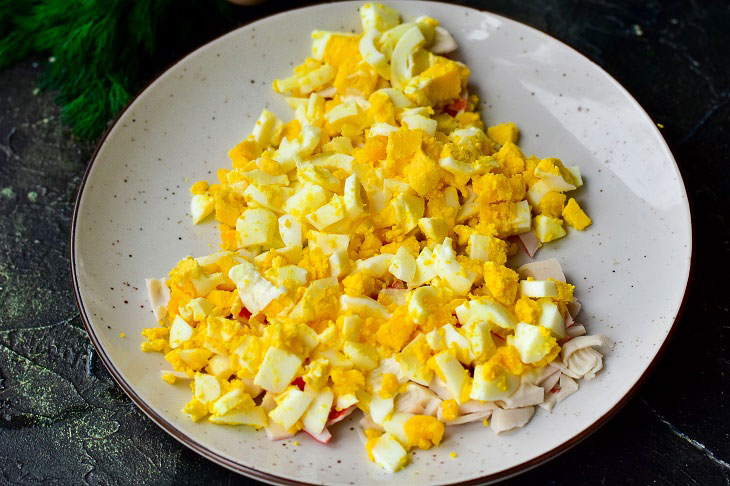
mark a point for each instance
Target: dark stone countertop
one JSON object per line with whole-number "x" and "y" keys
{"x": 64, "y": 421}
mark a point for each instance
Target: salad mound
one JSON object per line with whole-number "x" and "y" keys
{"x": 363, "y": 258}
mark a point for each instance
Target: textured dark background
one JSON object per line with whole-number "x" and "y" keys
{"x": 64, "y": 421}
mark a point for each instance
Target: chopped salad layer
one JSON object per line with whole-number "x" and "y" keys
{"x": 363, "y": 265}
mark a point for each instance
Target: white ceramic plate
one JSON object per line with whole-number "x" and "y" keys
{"x": 631, "y": 267}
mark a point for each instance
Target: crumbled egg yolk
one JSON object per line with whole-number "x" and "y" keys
{"x": 449, "y": 409}
{"x": 527, "y": 310}
{"x": 424, "y": 431}
{"x": 574, "y": 216}
{"x": 353, "y": 234}
{"x": 389, "y": 387}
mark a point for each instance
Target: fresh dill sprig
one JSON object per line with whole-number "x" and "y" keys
{"x": 97, "y": 49}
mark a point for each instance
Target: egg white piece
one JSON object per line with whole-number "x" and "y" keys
{"x": 315, "y": 418}
{"x": 389, "y": 453}
{"x": 277, "y": 370}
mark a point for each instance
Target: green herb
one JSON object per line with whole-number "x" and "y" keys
{"x": 97, "y": 49}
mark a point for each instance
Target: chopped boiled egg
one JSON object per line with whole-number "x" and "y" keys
{"x": 315, "y": 418}
{"x": 201, "y": 205}
{"x": 180, "y": 332}
{"x": 388, "y": 453}
{"x": 448, "y": 368}
{"x": 377, "y": 266}
{"x": 538, "y": 288}
{"x": 448, "y": 268}
{"x": 363, "y": 356}
{"x": 354, "y": 204}
{"x": 548, "y": 228}
{"x": 551, "y": 319}
{"x": 380, "y": 408}
{"x": 376, "y": 16}
{"x": 403, "y": 265}
{"x": 485, "y": 311}
{"x": 400, "y": 72}
{"x": 207, "y": 388}
{"x": 412, "y": 361}
{"x": 257, "y": 226}
{"x": 328, "y": 242}
{"x": 365, "y": 244}
{"x": 364, "y": 306}
{"x": 277, "y": 370}
{"x": 533, "y": 342}
{"x": 290, "y": 406}
{"x": 290, "y": 230}
{"x": 575, "y": 216}
{"x": 492, "y": 382}
{"x": 255, "y": 291}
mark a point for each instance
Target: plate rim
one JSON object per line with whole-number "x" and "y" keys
{"x": 254, "y": 473}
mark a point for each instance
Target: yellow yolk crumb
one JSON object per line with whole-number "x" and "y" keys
{"x": 511, "y": 158}
{"x": 502, "y": 283}
{"x": 529, "y": 173}
{"x": 200, "y": 187}
{"x": 500, "y": 216}
{"x": 229, "y": 205}
{"x": 346, "y": 381}
{"x": 446, "y": 79}
{"x": 342, "y": 48}
{"x": 229, "y": 237}
{"x": 506, "y": 132}
{"x": 463, "y": 232}
{"x": 389, "y": 386}
{"x": 244, "y": 152}
{"x": 354, "y": 77}
{"x": 424, "y": 431}
{"x": 423, "y": 173}
{"x": 553, "y": 166}
{"x": 506, "y": 357}
{"x": 195, "y": 409}
{"x": 196, "y": 360}
{"x": 565, "y": 291}
{"x": 170, "y": 378}
{"x": 396, "y": 332}
{"x": 156, "y": 339}
{"x": 223, "y": 299}
{"x": 466, "y": 119}
{"x": 452, "y": 454}
{"x": 527, "y": 310}
{"x": 317, "y": 374}
{"x": 316, "y": 263}
{"x": 291, "y": 130}
{"x": 156, "y": 345}
{"x": 381, "y": 108}
{"x": 402, "y": 146}
{"x": 575, "y": 216}
{"x": 552, "y": 204}
{"x": 449, "y": 409}
{"x": 359, "y": 284}
{"x": 492, "y": 188}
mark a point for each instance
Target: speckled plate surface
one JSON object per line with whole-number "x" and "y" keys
{"x": 631, "y": 267}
